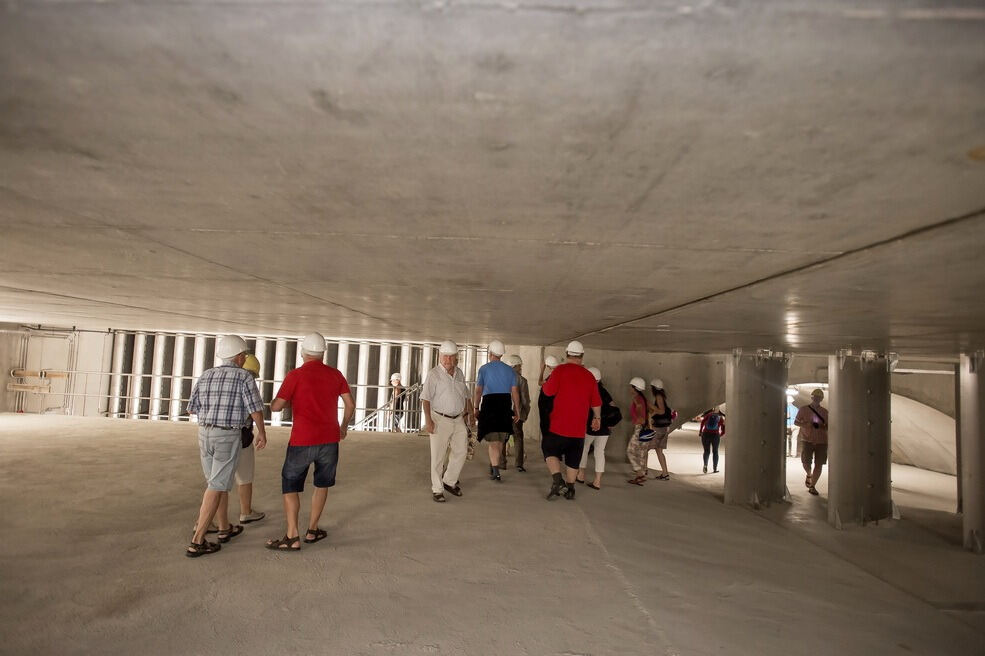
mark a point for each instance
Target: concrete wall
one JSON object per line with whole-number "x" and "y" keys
{"x": 11, "y": 346}
{"x": 934, "y": 390}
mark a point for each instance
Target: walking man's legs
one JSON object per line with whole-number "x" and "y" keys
{"x": 518, "y": 443}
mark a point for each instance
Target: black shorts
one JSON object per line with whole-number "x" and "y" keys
{"x": 816, "y": 452}
{"x": 564, "y": 448}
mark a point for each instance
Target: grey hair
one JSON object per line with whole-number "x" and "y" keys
{"x": 313, "y": 354}
{"x": 231, "y": 360}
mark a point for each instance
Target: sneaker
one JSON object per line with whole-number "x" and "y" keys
{"x": 498, "y": 478}
{"x": 254, "y": 516}
{"x": 569, "y": 494}
{"x": 704, "y": 470}
{"x": 520, "y": 468}
{"x": 555, "y": 491}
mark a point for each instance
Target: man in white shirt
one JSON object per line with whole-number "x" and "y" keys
{"x": 447, "y": 415}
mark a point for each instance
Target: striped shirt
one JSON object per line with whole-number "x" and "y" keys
{"x": 225, "y": 396}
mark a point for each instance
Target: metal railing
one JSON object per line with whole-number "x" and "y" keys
{"x": 400, "y": 414}
{"x": 164, "y": 399}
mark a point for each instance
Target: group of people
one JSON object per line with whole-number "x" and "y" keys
{"x": 227, "y": 402}
{"x": 577, "y": 414}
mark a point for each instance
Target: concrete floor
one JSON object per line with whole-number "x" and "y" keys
{"x": 96, "y": 514}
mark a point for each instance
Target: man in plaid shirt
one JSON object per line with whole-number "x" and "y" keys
{"x": 225, "y": 399}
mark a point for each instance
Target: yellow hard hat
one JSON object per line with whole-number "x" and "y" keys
{"x": 252, "y": 365}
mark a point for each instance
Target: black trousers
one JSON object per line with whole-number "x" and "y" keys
{"x": 710, "y": 443}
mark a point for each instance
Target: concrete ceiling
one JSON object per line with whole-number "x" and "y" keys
{"x": 646, "y": 175}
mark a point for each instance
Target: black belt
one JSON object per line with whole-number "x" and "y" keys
{"x": 228, "y": 428}
{"x": 449, "y": 416}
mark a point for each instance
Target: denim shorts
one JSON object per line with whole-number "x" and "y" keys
{"x": 296, "y": 463}
{"x": 219, "y": 452}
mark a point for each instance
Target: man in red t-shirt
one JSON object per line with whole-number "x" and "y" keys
{"x": 313, "y": 390}
{"x": 575, "y": 392}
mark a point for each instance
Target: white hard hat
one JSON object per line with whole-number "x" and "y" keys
{"x": 595, "y": 372}
{"x": 656, "y": 382}
{"x": 448, "y": 347}
{"x": 638, "y": 383}
{"x": 551, "y": 361}
{"x": 313, "y": 343}
{"x": 229, "y": 346}
{"x": 514, "y": 360}
{"x": 394, "y": 376}
{"x": 575, "y": 348}
{"x": 496, "y": 347}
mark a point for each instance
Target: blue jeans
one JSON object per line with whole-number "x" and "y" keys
{"x": 325, "y": 458}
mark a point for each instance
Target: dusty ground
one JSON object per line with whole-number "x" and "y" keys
{"x": 96, "y": 513}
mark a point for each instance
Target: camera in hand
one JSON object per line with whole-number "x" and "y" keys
{"x": 816, "y": 424}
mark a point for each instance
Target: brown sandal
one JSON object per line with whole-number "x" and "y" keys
{"x": 285, "y": 544}
{"x": 196, "y": 549}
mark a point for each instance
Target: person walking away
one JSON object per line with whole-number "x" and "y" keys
{"x": 545, "y": 403}
{"x": 313, "y": 390}
{"x": 663, "y": 417}
{"x": 497, "y": 404}
{"x": 639, "y": 443}
{"x": 247, "y": 459}
{"x": 576, "y": 394}
{"x": 524, "y": 390}
{"x": 223, "y": 398}
{"x": 712, "y": 430}
{"x": 599, "y": 438}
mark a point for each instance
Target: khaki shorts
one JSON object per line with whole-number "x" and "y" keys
{"x": 659, "y": 440}
{"x": 246, "y": 466}
{"x": 496, "y": 437}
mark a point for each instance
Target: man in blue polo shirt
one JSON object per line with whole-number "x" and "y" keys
{"x": 497, "y": 404}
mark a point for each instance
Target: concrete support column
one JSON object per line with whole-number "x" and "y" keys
{"x": 859, "y": 485}
{"x": 157, "y": 376}
{"x": 280, "y": 371}
{"x": 755, "y": 466}
{"x": 426, "y": 354}
{"x": 343, "y": 366}
{"x": 177, "y": 376}
{"x": 405, "y": 362}
{"x": 972, "y": 473}
{"x": 117, "y": 381}
{"x": 383, "y": 419}
{"x": 362, "y": 380}
{"x": 137, "y": 374}
{"x": 957, "y": 437}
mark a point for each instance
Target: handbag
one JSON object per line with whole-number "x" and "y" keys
{"x": 666, "y": 419}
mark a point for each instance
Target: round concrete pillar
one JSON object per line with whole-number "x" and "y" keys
{"x": 859, "y": 483}
{"x": 755, "y": 395}
{"x": 972, "y": 473}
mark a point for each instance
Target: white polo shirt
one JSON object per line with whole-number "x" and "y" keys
{"x": 446, "y": 394}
